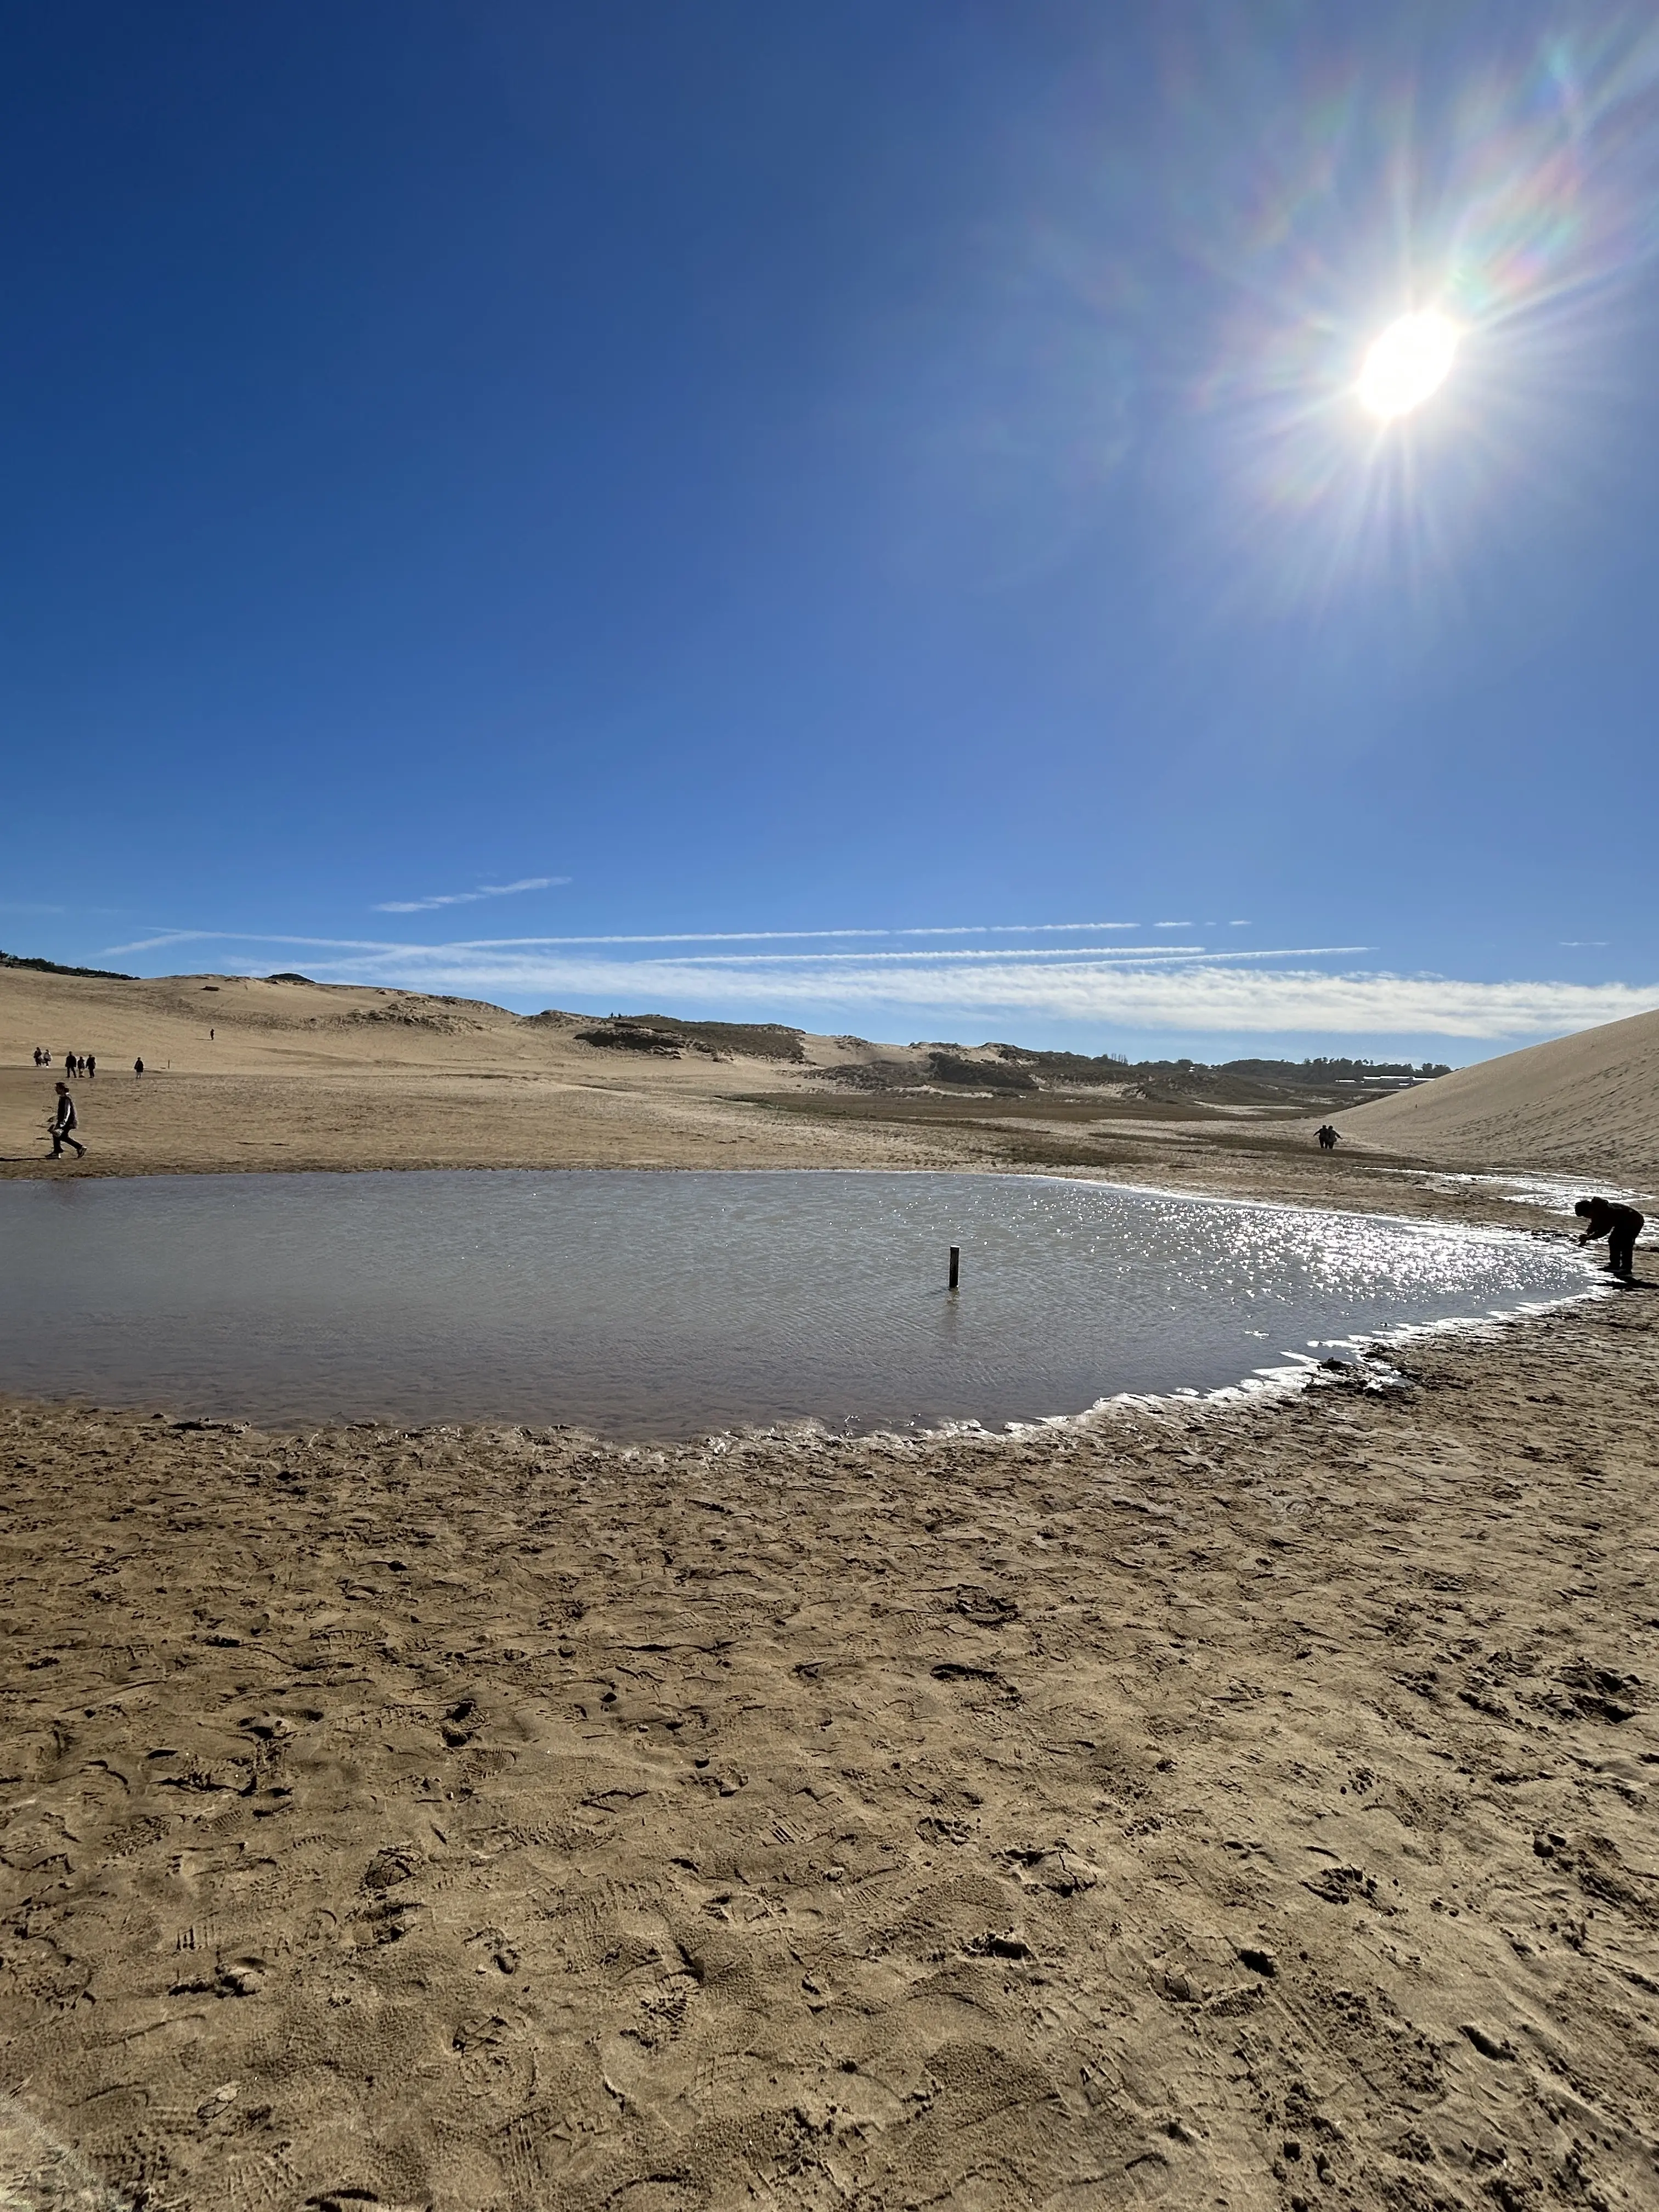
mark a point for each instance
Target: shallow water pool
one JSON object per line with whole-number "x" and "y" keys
{"x": 658, "y": 1305}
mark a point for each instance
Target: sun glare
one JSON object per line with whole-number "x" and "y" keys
{"x": 1408, "y": 362}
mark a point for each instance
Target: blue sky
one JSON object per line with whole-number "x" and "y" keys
{"x": 849, "y": 514}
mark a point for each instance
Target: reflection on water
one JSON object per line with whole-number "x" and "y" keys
{"x": 664, "y": 1305}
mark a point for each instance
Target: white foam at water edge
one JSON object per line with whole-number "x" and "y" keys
{"x": 1301, "y": 1372}
{"x": 1550, "y": 1194}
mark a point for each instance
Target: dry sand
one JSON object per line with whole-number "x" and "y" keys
{"x": 317, "y": 1076}
{"x": 309, "y": 1076}
{"x": 1589, "y": 1102}
{"x": 1243, "y": 1806}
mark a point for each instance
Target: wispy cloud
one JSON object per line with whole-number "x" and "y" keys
{"x": 1190, "y": 995}
{"x": 638, "y": 937}
{"x": 1186, "y": 987}
{"x": 191, "y": 937}
{"x": 467, "y": 898}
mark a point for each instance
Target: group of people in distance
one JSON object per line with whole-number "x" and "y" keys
{"x": 79, "y": 1063}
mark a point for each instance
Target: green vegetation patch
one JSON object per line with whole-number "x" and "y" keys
{"x": 978, "y": 1075}
{"x": 755, "y": 1040}
{"x": 1066, "y": 1066}
{"x": 630, "y": 1037}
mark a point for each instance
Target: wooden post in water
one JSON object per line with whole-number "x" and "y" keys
{"x": 956, "y": 1264}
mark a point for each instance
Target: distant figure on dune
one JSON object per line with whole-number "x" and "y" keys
{"x": 137, "y": 1067}
{"x": 92, "y": 1066}
{"x": 63, "y": 1126}
{"x": 1327, "y": 1137}
{"x": 1620, "y": 1224}
{"x": 38, "y": 1059}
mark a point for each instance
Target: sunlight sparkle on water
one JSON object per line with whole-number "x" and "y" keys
{"x": 1409, "y": 361}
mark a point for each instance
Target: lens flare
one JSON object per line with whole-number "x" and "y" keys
{"x": 1408, "y": 362}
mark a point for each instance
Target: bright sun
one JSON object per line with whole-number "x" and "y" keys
{"x": 1406, "y": 363}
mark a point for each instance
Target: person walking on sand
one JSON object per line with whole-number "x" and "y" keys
{"x": 1620, "y": 1224}
{"x": 65, "y": 1125}
{"x": 137, "y": 1067}
{"x": 92, "y": 1066}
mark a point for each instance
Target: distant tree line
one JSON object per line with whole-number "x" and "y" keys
{"x": 1332, "y": 1070}
{"x": 55, "y": 968}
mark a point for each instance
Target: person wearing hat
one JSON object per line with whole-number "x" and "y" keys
{"x": 1620, "y": 1224}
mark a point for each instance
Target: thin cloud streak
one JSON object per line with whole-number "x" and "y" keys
{"x": 653, "y": 937}
{"x": 467, "y": 898}
{"x": 1132, "y": 955}
{"x": 1193, "y": 998}
{"x": 1130, "y": 986}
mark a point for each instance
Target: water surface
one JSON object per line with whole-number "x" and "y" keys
{"x": 657, "y": 1305}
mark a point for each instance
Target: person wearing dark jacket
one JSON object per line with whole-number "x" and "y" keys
{"x": 1620, "y": 1224}
{"x": 64, "y": 1126}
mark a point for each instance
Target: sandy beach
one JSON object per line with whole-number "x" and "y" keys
{"x": 1242, "y": 1805}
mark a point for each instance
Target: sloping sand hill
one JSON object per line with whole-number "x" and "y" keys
{"x": 1589, "y": 1102}
{"x": 253, "y": 1074}
{"x": 279, "y": 1073}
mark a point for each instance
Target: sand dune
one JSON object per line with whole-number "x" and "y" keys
{"x": 1585, "y": 1102}
{"x": 246, "y": 1074}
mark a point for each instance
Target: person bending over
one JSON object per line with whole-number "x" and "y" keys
{"x": 1620, "y": 1224}
{"x": 65, "y": 1125}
